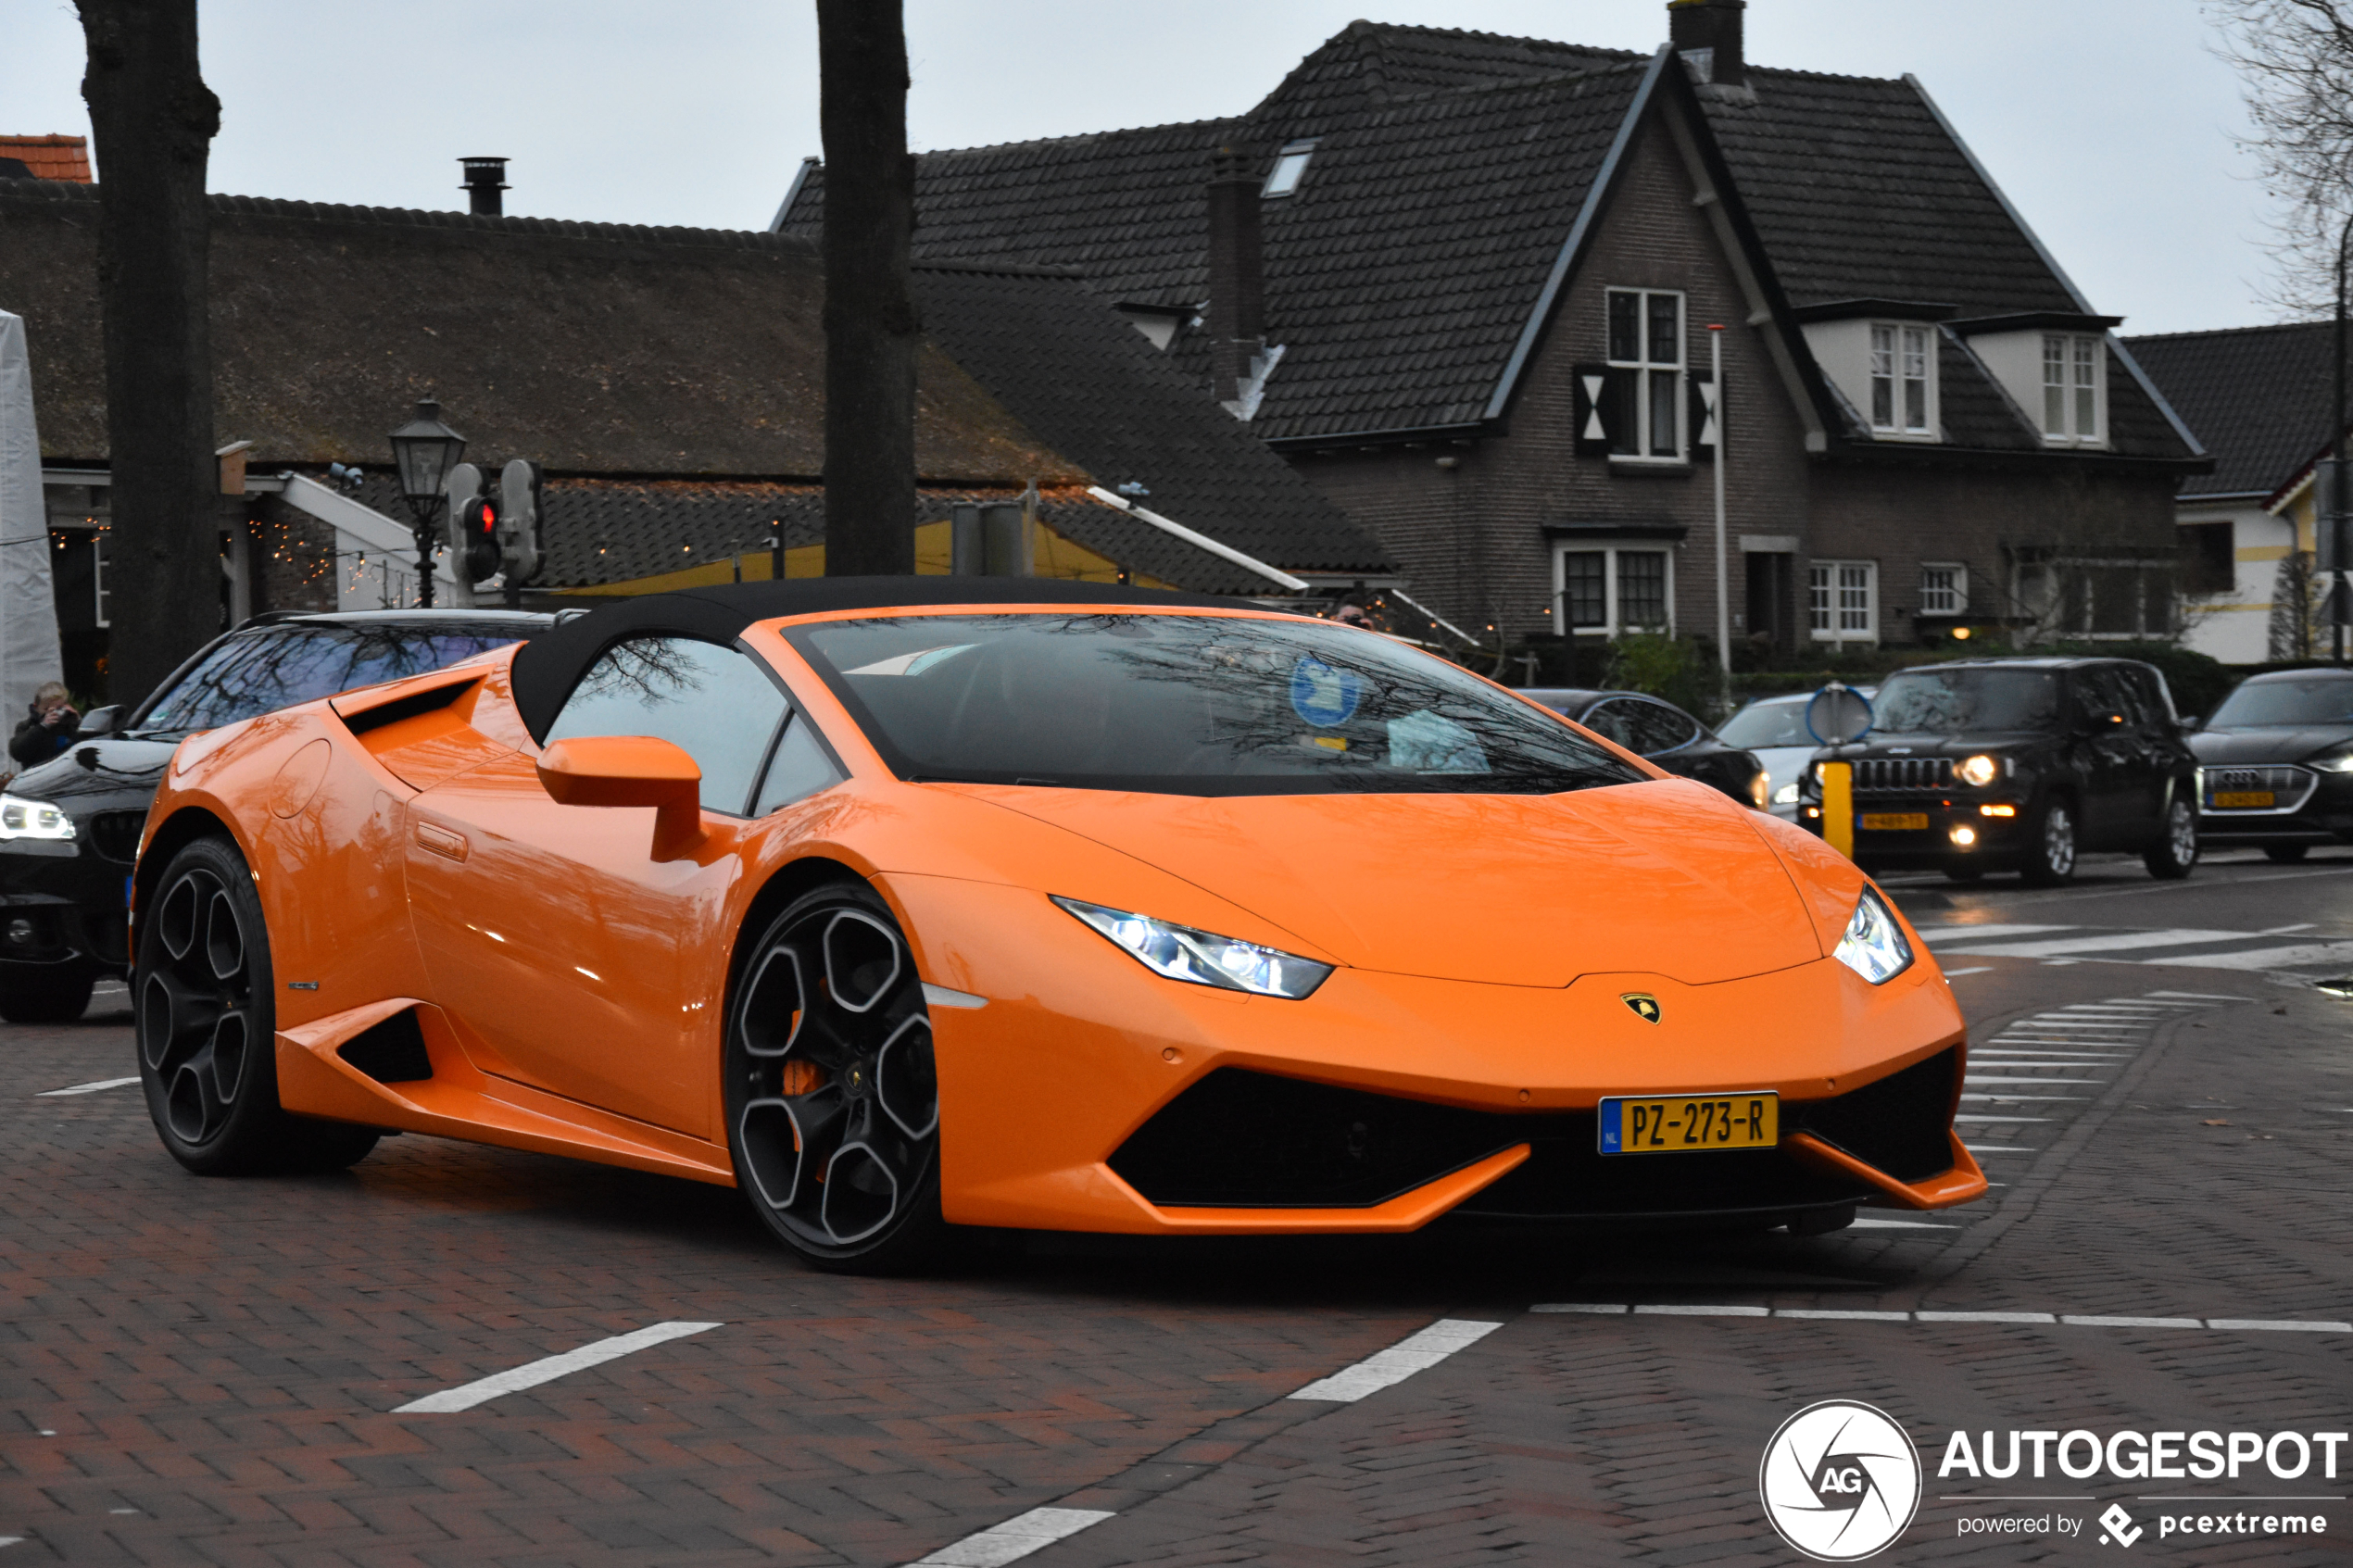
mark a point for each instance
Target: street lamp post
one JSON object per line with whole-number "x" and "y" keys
{"x": 423, "y": 451}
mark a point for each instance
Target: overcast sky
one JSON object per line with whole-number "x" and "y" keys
{"x": 2108, "y": 123}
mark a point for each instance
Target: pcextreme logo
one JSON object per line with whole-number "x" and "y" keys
{"x": 1840, "y": 1481}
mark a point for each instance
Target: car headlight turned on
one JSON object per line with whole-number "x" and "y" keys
{"x": 32, "y": 819}
{"x": 1204, "y": 957}
{"x": 1760, "y": 787}
{"x": 1980, "y": 769}
{"x": 1787, "y": 795}
{"x": 1874, "y": 945}
{"x": 2334, "y": 762}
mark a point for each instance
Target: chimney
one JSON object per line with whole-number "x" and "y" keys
{"x": 486, "y": 177}
{"x": 1237, "y": 274}
{"x": 1708, "y": 34}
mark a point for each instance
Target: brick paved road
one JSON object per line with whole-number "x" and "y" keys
{"x": 203, "y": 1372}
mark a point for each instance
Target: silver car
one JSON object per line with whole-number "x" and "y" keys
{"x": 1773, "y": 730}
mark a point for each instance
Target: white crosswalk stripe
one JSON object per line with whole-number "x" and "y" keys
{"x": 2183, "y": 946}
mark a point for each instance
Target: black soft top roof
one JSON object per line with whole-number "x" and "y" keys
{"x": 548, "y": 666}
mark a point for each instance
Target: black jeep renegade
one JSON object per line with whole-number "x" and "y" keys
{"x": 2019, "y": 764}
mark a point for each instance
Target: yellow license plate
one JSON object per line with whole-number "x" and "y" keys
{"x": 2241, "y": 799}
{"x": 1691, "y": 1123}
{"x": 1894, "y": 821}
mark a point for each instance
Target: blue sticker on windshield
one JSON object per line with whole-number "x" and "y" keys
{"x": 1322, "y": 695}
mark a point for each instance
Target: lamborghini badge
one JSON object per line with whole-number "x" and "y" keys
{"x": 1645, "y": 1006}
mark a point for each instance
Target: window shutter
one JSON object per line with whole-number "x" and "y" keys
{"x": 1594, "y": 410}
{"x": 1701, "y": 417}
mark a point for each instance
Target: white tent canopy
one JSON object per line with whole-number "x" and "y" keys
{"x": 27, "y": 606}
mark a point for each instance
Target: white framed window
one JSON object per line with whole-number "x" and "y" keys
{"x": 1842, "y": 601}
{"x": 1899, "y": 378}
{"x": 2074, "y": 390}
{"x": 1646, "y": 352}
{"x": 1290, "y": 168}
{"x": 1943, "y": 588}
{"x": 1606, "y": 589}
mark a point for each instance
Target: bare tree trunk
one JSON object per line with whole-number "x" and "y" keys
{"x": 870, "y": 305}
{"x": 155, "y": 121}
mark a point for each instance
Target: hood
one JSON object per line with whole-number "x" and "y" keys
{"x": 1665, "y": 877}
{"x": 2266, "y": 743}
{"x": 103, "y": 774}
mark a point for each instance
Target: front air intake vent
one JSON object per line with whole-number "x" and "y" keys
{"x": 390, "y": 1052}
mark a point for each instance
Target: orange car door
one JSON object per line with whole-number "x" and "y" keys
{"x": 577, "y": 961}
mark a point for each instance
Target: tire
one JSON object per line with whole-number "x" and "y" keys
{"x": 2175, "y": 855}
{"x": 2285, "y": 854}
{"x": 833, "y": 1100}
{"x": 2050, "y": 845}
{"x": 45, "y": 994}
{"x": 207, "y": 1019}
{"x": 1964, "y": 873}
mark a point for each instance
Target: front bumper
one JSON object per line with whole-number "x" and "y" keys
{"x": 63, "y": 903}
{"x": 1091, "y": 1095}
{"x": 1994, "y": 841}
{"x": 2312, "y": 808}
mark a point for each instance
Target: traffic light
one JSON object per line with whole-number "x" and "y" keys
{"x": 463, "y": 488}
{"x": 478, "y": 525}
{"x": 518, "y": 524}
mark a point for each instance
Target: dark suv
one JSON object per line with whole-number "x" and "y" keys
{"x": 69, "y": 829}
{"x": 2019, "y": 764}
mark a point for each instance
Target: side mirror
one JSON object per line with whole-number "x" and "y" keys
{"x": 630, "y": 770}
{"x": 101, "y": 721}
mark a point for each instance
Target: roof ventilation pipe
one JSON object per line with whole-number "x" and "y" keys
{"x": 486, "y": 177}
{"x": 1236, "y": 275}
{"x": 1708, "y": 34}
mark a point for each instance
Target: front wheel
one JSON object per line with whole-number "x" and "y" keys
{"x": 2174, "y": 853}
{"x": 206, "y": 1022}
{"x": 833, "y": 1100}
{"x": 2050, "y": 845}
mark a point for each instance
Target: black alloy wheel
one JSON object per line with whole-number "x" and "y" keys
{"x": 206, "y": 1027}
{"x": 45, "y": 993}
{"x": 833, "y": 1100}
{"x": 2284, "y": 854}
{"x": 2175, "y": 855}
{"x": 2050, "y": 844}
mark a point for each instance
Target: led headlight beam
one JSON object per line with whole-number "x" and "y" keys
{"x": 1874, "y": 945}
{"x": 1202, "y": 958}
{"x": 20, "y": 817}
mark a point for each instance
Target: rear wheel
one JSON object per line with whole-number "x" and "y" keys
{"x": 2285, "y": 854}
{"x": 833, "y": 1101}
{"x": 44, "y": 992}
{"x": 206, "y": 1027}
{"x": 2173, "y": 855}
{"x": 2050, "y": 845}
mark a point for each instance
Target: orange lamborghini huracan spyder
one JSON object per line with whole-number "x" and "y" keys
{"x": 907, "y": 903}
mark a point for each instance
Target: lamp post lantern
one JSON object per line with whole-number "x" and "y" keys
{"x": 423, "y": 451}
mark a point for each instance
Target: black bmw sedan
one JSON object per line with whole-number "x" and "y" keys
{"x": 2276, "y": 763}
{"x": 1665, "y": 734}
{"x": 69, "y": 829}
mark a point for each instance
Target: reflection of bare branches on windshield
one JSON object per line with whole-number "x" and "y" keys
{"x": 654, "y": 670}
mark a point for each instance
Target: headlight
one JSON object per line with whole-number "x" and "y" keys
{"x": 1980, "y": 769}
{"x": 1786, "y": 795}
{"x": 2336, "y": 762}
{"x": 32, "y": 819}
{"x": 1202, "y": 958}
{"x": 1874, "y": 945}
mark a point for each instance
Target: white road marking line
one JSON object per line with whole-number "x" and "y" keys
{"x": 2284, "y": 930}
{"x": 2262, "y": 958}
{"x": 91, "y": 1088}
{"x": 1974, "y": 969}
{"x": 2199, "y": 995}
{"x": 2071, "y": 1320}
{"x": 2055, "y": 1058}
{"x": 2125, "y": 941}
{"x": 1932, "y": 935}
{"x": 548, "y": 1368}
{"x": 2027, "y": 1083}
{"x": 1996, "y": 1148}
{"x": 1415, "y": 1352}
{"x": 1014, "y": 1539}
{"x": 2044, "y": 1023}
{"x": 2000, "y": 1120}
{"x": 1862, "y": 1223}
{"x": 2030, "y": 1099}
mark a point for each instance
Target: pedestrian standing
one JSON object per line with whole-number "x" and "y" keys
{"x": 52, "y": 726}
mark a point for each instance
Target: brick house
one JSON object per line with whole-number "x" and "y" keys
{"x": 1466, "y": 284}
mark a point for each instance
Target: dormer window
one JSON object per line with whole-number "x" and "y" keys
{"x": 2072, "y": 363}
{"x": 1899, "y": 378}
{"x": 1291, "y": 166}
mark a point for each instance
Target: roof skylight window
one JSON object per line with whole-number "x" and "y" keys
{"x": 1291, "y": 165}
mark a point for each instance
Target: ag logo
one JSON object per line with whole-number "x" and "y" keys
{"x": 1645, "y": 1006}
{"x": 1840, "y": 1481}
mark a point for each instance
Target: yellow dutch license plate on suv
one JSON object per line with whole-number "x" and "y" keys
{"x": 1691, "y": 1123}
{"x": 1894, "y": 822}
{"x": 2243, "y": 800}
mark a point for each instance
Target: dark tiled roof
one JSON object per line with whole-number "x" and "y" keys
{"x": 1368, "y": 65}
{"x": 1087, "y": 384}
{"x": 2258, "y": 398}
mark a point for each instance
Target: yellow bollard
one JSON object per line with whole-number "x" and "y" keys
{"x": 1838, "y": 806}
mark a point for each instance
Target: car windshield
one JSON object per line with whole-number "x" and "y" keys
{"x": 2322, "y": 699}
{"x": 263, "y": 668}
{"x": 1960, "y": 702}
{"x": 1188, "y": 705}
{"x": 1767, "y": 724}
